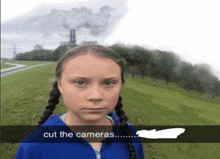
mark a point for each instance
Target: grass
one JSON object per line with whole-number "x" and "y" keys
{"x": 20, "y": 89}
{"x": 3, "y": 66}
{"x": 24, "y": 96}
{"x": 152, "y": 105}
{"x": 175, "y": 108}
{"x": 175, "y": 87}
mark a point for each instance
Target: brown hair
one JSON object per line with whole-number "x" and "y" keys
{"x": 55, "y": 93}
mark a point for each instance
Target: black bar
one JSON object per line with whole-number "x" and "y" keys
{"x": 192, "y": 134}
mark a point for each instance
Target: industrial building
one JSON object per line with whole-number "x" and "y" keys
{"x": 72, "y": 40}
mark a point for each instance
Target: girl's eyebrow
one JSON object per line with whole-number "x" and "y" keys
{"x": 78, "y": 77}
{"x": 112, "y": 78}
{"x": 87, "y": 78}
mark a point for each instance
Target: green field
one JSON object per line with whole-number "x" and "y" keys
{"x": 24, "y": 96}
{"x": 3, "y": 66}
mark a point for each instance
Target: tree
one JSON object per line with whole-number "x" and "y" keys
{"x": 207, "y": 78}
{"x": 165, "y": 65}
{"x": 189, "y": 77}
{"x": 35, "y": 55}
{"x": 141, "y": 58}
{"x": 216, "y": 88}
{"x": 60, "y": 51}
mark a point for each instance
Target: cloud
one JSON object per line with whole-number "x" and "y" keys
{"x": 97, "y": 23}
{"x": 48, "y": 25}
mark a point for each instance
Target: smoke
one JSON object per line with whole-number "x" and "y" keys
{"x": 48, "y": 25}
{"x": 96, "y": 22}
{"x": 84, "y": 20}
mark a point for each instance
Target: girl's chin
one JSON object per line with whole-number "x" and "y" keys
{"x": 88, "y": 119}
{"x": 94, "y": 118}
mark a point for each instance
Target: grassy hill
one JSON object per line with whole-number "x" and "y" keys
{"x": 24, "y": 96}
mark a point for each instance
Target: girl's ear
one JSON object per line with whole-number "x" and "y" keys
{"x": 59, "y": 86}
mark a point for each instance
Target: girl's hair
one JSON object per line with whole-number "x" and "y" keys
{"x": 55, "y": 93}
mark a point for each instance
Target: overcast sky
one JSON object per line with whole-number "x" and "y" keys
{"x": 190, "y": 28}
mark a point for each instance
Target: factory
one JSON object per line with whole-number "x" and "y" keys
{"x": 72, "y": 40}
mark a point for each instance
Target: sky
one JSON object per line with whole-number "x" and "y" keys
{"x": 189, "y": 28}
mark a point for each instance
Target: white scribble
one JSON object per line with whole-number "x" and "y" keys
{"x": 171, "y": 133}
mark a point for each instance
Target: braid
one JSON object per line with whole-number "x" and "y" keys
{"x": 124, "y": 127}
{"x": 53, "y": 101}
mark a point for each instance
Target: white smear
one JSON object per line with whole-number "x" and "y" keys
{"x": 172, "y": 133}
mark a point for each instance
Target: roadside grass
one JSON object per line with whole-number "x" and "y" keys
{"x": 28, "y": 63}
{"x": 3, "y": 66}
{"x": 151, "y": 105}
{"x": 24, "y": 97}
{"x": 25, "y": 94}
{"x": 166, "y": 107}
{"x": 174, "y": 87}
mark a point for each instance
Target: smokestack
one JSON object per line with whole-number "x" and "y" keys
{"x": 72, "y": 37}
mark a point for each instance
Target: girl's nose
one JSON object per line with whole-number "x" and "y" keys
{"x": 95, "y": 94}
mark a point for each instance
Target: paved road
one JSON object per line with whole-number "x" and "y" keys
{"x": 20, "y": 68}
{"x": 16, "y": 66}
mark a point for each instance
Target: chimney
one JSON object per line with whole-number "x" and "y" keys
{"x": 72, "y": 37}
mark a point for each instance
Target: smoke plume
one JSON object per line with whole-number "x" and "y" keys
{"x": 55, "y": 22}
{"x": 96, "y": 22}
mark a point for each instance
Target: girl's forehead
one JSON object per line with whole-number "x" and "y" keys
{"x": 90, "y": 59}
{"x": 91, "y": 64}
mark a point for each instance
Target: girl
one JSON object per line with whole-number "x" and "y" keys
{"x": 90, "y": 78}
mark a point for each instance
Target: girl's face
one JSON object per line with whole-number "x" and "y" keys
{"x": 90, "y": 86}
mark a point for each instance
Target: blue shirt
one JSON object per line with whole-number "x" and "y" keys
{"x": 36, "y": 146}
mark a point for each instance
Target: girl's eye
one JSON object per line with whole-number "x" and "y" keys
{"x": 108, "y": 83}
{"x": 80, "y": 83}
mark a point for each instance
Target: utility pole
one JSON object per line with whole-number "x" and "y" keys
{"x": 14, "y": 51}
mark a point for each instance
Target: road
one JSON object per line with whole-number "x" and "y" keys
{"x": 18, "y": 68}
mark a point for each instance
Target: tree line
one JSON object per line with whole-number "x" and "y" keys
{"x": 35, "y": 55}
{"x": 169, "y": 67}
{"x": 156, "y": 64}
